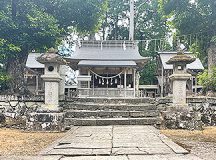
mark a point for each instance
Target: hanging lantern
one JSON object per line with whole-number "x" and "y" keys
{"x": 107, "y": 81}
{"x": 111, "y": 81}
{"x": 102, "y": 81}
{"x": 99, "y": 81}
{"x": 116, "y": 81}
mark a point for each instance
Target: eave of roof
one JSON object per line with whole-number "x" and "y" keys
{"x": 31, "y": 61}
{"x": 107, "y": 63}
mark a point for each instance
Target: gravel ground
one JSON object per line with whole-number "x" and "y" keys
{"x": 16, "y": 142}
{"x": 200, "y": 143}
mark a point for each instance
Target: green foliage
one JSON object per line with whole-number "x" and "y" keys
{"x": 208, "y": 81}
{"x": 4, "y": 80}
{"x": 115, "y": 19}
{"x": 148, "y": 74}
{"x": 197, "y": 19}
{"x": 38, "y": 24}
{"x": 150, "y": 22}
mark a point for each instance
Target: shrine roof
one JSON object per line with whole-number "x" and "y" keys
{"x": 165, "y": 56}
{"x": 107, "y": 63}
{"x": 31, "y": 61}
{"x": 107, "y": 50}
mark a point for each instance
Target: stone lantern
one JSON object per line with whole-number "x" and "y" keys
{"x": 49, "y": 117}
{"x": 180, "y": 77}
{"x": 51, "y": 78}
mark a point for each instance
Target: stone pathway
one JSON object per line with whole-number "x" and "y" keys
{"x": 115, "y": 143}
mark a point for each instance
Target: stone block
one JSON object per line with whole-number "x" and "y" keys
{"x": 88, "y": 122}
{"x": 45, "y": 121}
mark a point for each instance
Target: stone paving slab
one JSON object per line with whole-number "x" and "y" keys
{"x": 124, "y": 157}
{"x": 116, "y": 141}
{"x": 163, "y": 157}
{"x": 96, "y": 158}
{"x": 30, "y": 157}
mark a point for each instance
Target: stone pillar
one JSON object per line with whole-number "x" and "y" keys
{"x": 179, "y": 88}
{"x": 63, "y": 70}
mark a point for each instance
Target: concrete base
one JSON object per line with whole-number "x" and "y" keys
{"x": 45, "y": 121}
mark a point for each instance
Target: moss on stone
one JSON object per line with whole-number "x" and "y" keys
{"x": 181, "y": 58}
{"x": 52, "y": 57}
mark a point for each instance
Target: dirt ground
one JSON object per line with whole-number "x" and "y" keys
{"x": 200, "y": 143}
{"x": 16, "y": 142}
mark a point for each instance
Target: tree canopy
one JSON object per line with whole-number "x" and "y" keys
{"x": 38, "y": 24}
{"x": 197, "y": 19}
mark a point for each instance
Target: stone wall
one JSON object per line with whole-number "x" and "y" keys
{"x": 13, "y": 111}
{"x": 27, "y": 114}
{"x": 201, "y": 111}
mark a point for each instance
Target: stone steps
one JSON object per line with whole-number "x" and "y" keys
{"x": 111, "y": 106}
{"x": 115, "y": 111}
{"x": 111, "y": 121}
{"x": 114, "y": 100}
{"x": 110, "y": 114}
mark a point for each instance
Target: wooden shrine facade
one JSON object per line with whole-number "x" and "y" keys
{"x": 107, "y": 68}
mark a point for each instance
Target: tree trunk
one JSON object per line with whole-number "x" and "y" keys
{"x": 15, "y": 68}
{"x": 14, "y": 8}
{"x": 211, "y": 57}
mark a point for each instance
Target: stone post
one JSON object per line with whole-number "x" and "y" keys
{"x": 63, "y": 70}
{"x": 49, "y": 116}
{"x": 180, "y": 77}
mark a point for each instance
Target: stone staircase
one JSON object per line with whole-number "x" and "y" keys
{"x": 104, "y": 111}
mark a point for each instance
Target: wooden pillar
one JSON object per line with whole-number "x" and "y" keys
{"x": 89, "y": 84}
{"x": 134, "y": 81}
{"x": 88, "y": 81}
{"x": 162, "y": 82}
{"x": 93, "y": 85}
{"x": 195, "y": 85}
{"x": 125, "y": 80}
{"x": 36, "y": 88}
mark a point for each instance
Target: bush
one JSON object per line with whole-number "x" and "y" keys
{"x": 4, "y": 81}
{"x": 208, "y": 81}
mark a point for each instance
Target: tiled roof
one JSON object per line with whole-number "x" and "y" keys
{"x": 165, "y": 56}
{"x": 31, "y": 61}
